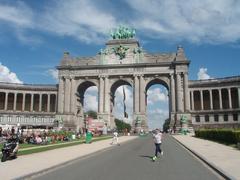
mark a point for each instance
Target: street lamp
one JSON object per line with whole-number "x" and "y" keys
{"x": 18, "y": 129}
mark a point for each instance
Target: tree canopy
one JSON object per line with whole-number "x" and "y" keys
{"x": 121, "y": 125}
{"x": 92, "y": 114}
{"x": 166, "y": 125}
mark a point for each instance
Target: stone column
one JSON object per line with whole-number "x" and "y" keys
{"x": 201, "y": 99}
{"x": 173, "y": 103}
{"x": 101, "y": 94}
{"x": 238, "y": 97}
{"x": 23, "y": 102}
{"x": 220, "y": 98}
{"x": 56, "y": 97}
{"x": 73, "y": 96}
{"x": 67, "y": 96}
{"x": 136, "y": 94}
{"x": 31, "y": 109}
{"x": 60, "y": 95}
{"x": 179, "y": 94}
{"x": 230, "y": 98}
{"x": 192, "y": 100}
{"x": 186, "y": 93}
{"x": 211, "y": 99}
{"x": 142, "y": 95}
{"x": 106, "y": 95}
{"x": 40, "y": 102}
{"x": 15, "y": 102}
{"x": 48, "y": 103}
{"x": 6, "y": 101}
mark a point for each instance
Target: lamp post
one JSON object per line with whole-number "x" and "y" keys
{"x": 18, "y": 129}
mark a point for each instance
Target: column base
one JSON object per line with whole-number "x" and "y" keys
{"x": 139, "y": 123}
{"x": 70, "y": 122}
{"x": 183, "y": 122}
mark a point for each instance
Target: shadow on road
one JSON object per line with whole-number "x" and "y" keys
{"x": 146, "y": 157}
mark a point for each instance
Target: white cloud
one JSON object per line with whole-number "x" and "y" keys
{"x": 202, "y": 74}
{"x": 83, "y": 20}
{"x": 90, "y": 99}
{"x": 18, "y": 14}
{"x": 156, "y": 117}
{"x": 194, "y": 21}
{"x": 53, "y": 73}
{"x": 155, "y": 95}
{"x": 7, "y": 76}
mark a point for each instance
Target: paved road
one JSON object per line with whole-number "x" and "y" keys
{"x": 133, "y": 161}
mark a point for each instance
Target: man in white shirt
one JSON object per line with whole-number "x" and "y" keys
{"x": 157, "y": 136}
{"x": 115, "y": 138}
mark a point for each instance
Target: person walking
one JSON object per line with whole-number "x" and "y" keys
{"x": 157, "y": 136}
{"x": 115, "y": 138}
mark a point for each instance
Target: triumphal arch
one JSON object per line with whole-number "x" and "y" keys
{"x": 122, "y": 62}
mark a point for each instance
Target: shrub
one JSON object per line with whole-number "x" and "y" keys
{"x": 228, "y": 136}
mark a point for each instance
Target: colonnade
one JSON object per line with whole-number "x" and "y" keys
{"x": 215, "y": 99}
{"x": 28, "y": 101}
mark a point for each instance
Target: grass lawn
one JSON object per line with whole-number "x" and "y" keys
{"x": 32, "y": 148}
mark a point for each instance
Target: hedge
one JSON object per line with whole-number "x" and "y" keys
{"x": 228, "y": 136}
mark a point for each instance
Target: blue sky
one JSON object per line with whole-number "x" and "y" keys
{"x": 34, "y": 34}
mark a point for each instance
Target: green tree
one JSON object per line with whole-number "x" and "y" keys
{"x": 121, "y": 125}
{"x": 166, "y": 125}
{"x": 92, "y": 114}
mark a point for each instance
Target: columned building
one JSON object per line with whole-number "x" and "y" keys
{"x": 210, "y": 103}
{"x": 28, "y": 105}
{"x": 215, "y": 102}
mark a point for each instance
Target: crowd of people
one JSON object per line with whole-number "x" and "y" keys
{"x": 37, "y": 136}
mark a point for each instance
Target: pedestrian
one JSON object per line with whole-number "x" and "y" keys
{"x": 0, "y": 131}
{"x": 157, "y": 136}
{"x": 13, "y": 130}
{"x": 115, "y": 138}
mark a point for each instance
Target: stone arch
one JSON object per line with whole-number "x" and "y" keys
{"x": 118, "y": 83}
{"x": 82, "y": 87}
{"x": 161, "y": 81}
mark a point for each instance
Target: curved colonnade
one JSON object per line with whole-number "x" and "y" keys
{"x": 28, "y": 105}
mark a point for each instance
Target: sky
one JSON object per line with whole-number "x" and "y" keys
{"x": 34, "y": 35}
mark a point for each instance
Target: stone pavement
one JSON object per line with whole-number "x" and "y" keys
{"x": 30, "y": 164}
{"x": 222, "y": 158}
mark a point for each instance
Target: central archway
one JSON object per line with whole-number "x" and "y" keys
{"x": 157, "y": 107}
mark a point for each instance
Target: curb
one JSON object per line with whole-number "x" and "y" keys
{"x": 211, "y": 165}
{"x": 69, "y": 162}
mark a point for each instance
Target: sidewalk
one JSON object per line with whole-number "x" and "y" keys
{"x": 29, "y": 164}
{"x": 222, "y": 158}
